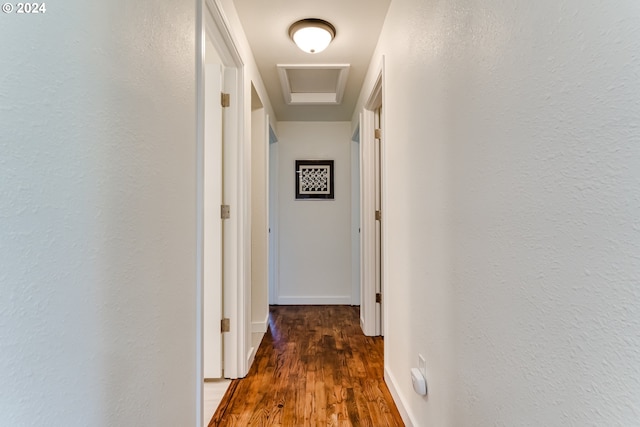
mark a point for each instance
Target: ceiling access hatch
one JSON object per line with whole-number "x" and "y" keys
{"x": 313, "y": 84}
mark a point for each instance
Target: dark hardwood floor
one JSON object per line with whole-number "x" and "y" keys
{"x": 314, "y": 367}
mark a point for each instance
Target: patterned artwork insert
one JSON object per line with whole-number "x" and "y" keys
{"x": 314, "y": 179}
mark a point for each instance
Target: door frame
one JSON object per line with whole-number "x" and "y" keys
{"x": 371, "y": 315}
{"x": 212, "y": 25}
{"x": 274, "y": 260}
{"x": 235, "y": 295}
{"x": 212, "y": 226}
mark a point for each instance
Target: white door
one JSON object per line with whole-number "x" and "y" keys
{"x": 273, "y": 222}
{"x": 212, "y": 314}
{"x": 371, "y": 213}
{"x": 378, "y": 226}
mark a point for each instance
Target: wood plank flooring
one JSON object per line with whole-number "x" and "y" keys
{"x": 314, "y": 367}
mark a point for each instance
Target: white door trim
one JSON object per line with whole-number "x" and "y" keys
{"x": 367, "y": 221}
{"x": 216, "y": 28}
{"x": 212, "y": 227}
{"x": 200, "y": 47}
{"x": 356, "y": 263}
{"x": 267, "y": 191}
{"x": 370, "y": 315}
{"x": 274, "y": 275}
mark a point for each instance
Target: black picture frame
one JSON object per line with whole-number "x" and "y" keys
{"x": 314, "y": 180}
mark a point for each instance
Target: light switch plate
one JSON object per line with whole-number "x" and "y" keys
{"x": 422, "y": 365}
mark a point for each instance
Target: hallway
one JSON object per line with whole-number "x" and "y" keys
{"x": 511, "y": 193}
{"x": 314, "y": 367}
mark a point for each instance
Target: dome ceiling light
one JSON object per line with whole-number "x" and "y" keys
{"x": 312, "y": 35}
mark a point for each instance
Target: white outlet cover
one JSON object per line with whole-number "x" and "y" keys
{"x": 419, "y": 382}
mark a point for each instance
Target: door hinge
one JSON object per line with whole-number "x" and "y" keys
{"x": 377, "y": 133}
{"x": 225, "y": 325}
{"x": 378, "y": 216}
{"x": 379, "y": 297}
{"x": 225, "y": 99}
{"x": 225, "y": 211}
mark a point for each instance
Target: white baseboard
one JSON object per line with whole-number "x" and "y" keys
{"x": 251, "y": 357}
{"x": 328, "y": 300}
{"x": 392, "y": 384}
{"x": 260, "y": 327}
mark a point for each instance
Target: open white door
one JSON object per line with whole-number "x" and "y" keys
{"x": 378, "y": 216}
{"x": 236, "y": 244}
{"x": 273, "y": 217}
{"x": 372, "y": 212}
{"x": 212, "y": 250}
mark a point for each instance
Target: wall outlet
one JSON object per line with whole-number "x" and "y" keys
{"x": 422, "y": 365}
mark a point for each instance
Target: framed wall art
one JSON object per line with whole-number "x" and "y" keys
{"x": 314, "y": 179}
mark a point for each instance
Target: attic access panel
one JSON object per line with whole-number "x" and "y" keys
{"x": 313, "y": 84}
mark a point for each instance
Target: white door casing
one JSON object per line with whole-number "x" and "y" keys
{"x": 234, "y": 191}
{"x": 212, "y": 250}
{"x": 379, "y": 282}
{"x": 273, "y": 217}
{"x": 372, "y": 199}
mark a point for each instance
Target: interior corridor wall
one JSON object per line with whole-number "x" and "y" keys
{"x": 314, "y": 235}
{"x": 98, "y": 232}
{"x": 512, "y": 198}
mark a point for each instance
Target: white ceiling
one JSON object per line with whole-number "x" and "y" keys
{"x": 357, "y": 22}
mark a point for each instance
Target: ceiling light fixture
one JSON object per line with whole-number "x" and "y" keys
{"x": 312, "y": 35}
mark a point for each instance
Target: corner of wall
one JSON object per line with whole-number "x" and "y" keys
{"x": 398, "y": 398}
{"x": 258, "y": 330}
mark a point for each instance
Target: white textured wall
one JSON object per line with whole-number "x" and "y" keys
{"x": 314, "y": 235}
{"x": 513, "y": 171}
{"x": 97, "y": 215}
